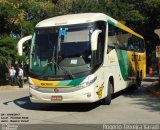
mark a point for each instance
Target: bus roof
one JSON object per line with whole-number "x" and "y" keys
{"x": 72, "y": 19}
{"x": 83, "y": 18}
{"x": 122, "y": 26}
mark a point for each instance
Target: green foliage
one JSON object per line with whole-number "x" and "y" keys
{"x": 154, "y": 4}
{"x": 124, "y": 10}
{"x": 134, "y": 15}
{"x": 20, "y": 17}
{"x": 38, "y": 9}
{"x": 63, "y": 7}
{"x": 83, "y": 6}
{"x": 7, "y": 49}
{"x": 27, "y": 27}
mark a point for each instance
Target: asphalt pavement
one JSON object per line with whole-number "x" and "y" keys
{"x": 130, "y": 106}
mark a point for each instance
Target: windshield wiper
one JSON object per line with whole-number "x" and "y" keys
{"x": 59, "y": 66}
{"x": 52, "y": 61}
{"x": 67, "y": 72}
{"x": 62, "y": 68}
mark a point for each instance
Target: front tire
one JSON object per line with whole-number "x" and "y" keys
{"x": 107, "y": 100}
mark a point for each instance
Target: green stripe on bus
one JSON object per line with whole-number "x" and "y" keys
{"x": 73, "y": 82}
{"x": 76, "y": 81}
{"x": 112, "y": 23}
{"x": 124, "y": 63}
{"x": 64, "y": 83}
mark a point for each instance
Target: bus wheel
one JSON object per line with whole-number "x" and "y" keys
{"x": 107, "y": 100}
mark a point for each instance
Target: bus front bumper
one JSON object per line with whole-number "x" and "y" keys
{"x": 84, "y": 95}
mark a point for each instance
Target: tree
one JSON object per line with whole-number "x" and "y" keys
{"x": 18, "y": 18}
{"x": 7, "y": 49}
{"x": 8, "y": 55}
{"x": 83, "y": 6}
{"x": 64, "y": 7}
{"x": 38, "y": 10}
{"x": 11, "y": 16}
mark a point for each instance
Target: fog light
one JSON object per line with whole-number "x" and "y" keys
{"x": 30, "y": 95}
{"x": 88, "y": 94}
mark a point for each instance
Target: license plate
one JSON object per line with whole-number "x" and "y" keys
{"x": 56, "y": 98}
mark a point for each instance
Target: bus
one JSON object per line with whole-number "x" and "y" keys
{"x": 83, "y": 58}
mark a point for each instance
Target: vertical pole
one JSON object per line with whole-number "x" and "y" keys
{"x": 159, "y": 68}
{"x": 23, "y": 73}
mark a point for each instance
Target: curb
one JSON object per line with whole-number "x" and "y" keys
{"x": 150, "y": 84}
{"x": 156, "y": 93}
{"x": 152, "y": 91}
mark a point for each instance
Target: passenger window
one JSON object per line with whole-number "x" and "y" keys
{"x": 120, "y": 39}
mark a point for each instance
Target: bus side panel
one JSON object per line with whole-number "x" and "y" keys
{"x": 138, "y": 63}
{"x": 112, "y": 68}
{"x": 121, "y": 65}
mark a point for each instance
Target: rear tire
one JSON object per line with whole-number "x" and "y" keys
{"x": 138, "y": 81}
{"x": 107, "y": 100}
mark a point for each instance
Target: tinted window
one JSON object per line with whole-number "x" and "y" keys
{"x": 123, "y": 40}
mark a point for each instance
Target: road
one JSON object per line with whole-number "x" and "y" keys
{"x": 128, "y": 107}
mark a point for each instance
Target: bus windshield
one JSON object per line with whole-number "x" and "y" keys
{"x": 54, "y": 48}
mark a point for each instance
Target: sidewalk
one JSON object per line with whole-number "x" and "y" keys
{"x": 150, "y": 80}
{"x": 155, "y": 89}
{"x": 153, "y": 84}
{"x": 9, "y": 87}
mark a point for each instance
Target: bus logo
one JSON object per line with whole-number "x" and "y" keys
{"x": 46, "y": 84}
{"x": 56, "y": 90}
{"x": 99, "y": 92}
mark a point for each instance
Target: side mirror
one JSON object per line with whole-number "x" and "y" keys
{"x": 20, "y": 44}
{"x": 94, "y": 39}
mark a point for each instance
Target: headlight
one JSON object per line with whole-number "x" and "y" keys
{"x": 86, "y": 84}
{"x": 83, "y": 85}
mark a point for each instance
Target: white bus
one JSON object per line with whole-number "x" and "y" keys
{"x": 82, "y": 58}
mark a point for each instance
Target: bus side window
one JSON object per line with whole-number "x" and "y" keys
{"x": 112, "y": 43}
{"x": 130, "y": 45}
{"x": 141, "y": 45}
{"x": 135, "y": 44}
{"x": 122, "y": 40}
{"x": 117, "y": 38}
